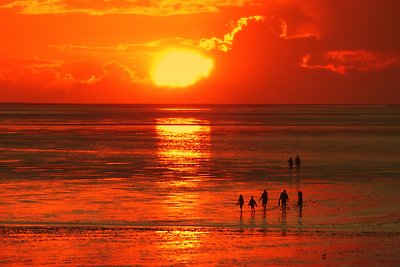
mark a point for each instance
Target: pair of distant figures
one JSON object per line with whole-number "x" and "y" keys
{"x": 297, "y": 161}
{"x": 283, "y": 198}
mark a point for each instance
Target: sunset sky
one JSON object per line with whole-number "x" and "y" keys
{"x": 222, "y": 51}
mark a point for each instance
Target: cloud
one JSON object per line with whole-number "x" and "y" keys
{"x": 137, "y": 7}
{"x": 11, "y": 68}
{"x": 86, "y": 81}
{"x": 305, "y": 64}
{"x": 65, "y": 75}
{"x": 342, "y": 61}
{"x": 225, "y": 44}
{"x": 124, "y": 48}
{"x": 269, "y": 27}
{"x": 372, "y": 27}
{"x": 118, "y": 73}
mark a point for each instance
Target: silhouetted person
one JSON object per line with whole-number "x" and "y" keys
{"x": 240, "y": 202}
{"x": 283, "y": 198}
{"x": 264, "y": 198}
{"x": 300, "y": 201}
{"x": 297, "y": 162}
{"x": 252, "y": 203}
{"x": 290, "y": 161}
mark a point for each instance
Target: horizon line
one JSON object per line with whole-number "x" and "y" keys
{"x": 204, "y": 104}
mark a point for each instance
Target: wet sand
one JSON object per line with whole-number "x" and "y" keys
{"x": 206, "y": 246}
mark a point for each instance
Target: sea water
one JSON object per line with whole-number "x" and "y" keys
{"x": 158, "y": 184}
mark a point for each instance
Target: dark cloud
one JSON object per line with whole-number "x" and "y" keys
{"x": 344, "y": 62}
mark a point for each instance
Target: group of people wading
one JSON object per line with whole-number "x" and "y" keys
{"x": 297, "y": 162}
{"x": 283, "y": 199}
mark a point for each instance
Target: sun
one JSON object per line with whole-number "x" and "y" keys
{"x": 180, "y": 68}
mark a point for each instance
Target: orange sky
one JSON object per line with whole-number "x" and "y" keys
{"x": 272, "y": 52}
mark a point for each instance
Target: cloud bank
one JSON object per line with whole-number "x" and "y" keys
{"x": 135, "y": 7}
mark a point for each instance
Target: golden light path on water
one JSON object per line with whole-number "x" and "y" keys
{"x": 184, "y": 146}
{"x": 183, "y": 143}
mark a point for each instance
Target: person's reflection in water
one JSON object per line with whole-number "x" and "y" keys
{"x": 300, "y": 203}
{"x": 283, "y": 223}
{"x": 264, "y": 221}
{"x": 300, "y": 222}
{"x": 252, "y": 219}
{"x": 300, "y": 219}
{"x": 241, "y": 226}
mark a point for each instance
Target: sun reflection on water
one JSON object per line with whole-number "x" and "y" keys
{"x": 184, "y": 148}
{"x": 181, "y": 239}
{"x": 183, "y": 144}
{"x": 181, "y": 244}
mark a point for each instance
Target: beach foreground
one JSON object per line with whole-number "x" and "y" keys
{"x": 176, "y": 246}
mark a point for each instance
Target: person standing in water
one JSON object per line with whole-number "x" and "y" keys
{"x": 298, "y": 162}
{"x": 240, "y": 202}
{"x": 252, "y": 203}
{"x": 264, "y": 198}
{"x": 283, "y": 198}
{"x": 290, "y": 161}
{"x": 300, "y": 201}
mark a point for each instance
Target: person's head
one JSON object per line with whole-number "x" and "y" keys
{"x": 284, "y": 190}
{"x": 251, "y": 196}
{"x": 265, "y": 191}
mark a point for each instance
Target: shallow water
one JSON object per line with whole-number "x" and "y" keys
{"x": 172, "y": 246}
{"x": 158, "y": 185}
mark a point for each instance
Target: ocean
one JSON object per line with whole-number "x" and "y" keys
{"x": 157, "y": 185}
